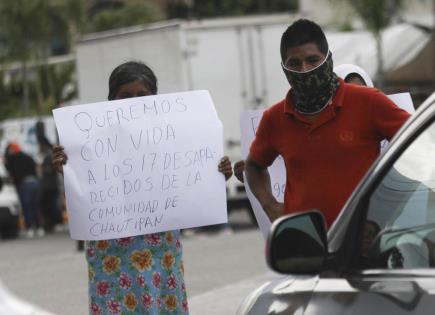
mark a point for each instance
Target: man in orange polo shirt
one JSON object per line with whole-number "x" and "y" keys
{"x": 327, "y": 131}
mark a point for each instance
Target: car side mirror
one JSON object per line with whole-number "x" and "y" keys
{"x": 297, "y": 243}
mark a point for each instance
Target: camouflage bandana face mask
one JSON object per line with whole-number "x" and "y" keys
{"x": 313, "y": 89}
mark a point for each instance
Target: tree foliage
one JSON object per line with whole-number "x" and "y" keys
{"x": 132, "y": 13}
{"x": 27, "y": 28}
{"x": 376, "y": 14}
{"x": 212, "y": 8}
{"x": 50, "y": 85}
{"x": 30, "y": 32}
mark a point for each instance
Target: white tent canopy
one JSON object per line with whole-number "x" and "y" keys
{"x": 401, "y": 43}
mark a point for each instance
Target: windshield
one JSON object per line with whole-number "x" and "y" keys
{"x": 399, "y": 228}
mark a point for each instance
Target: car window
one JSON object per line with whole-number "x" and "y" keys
{"x": 398, "y": 230}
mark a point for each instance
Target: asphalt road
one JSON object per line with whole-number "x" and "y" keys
{"x": 221, "y": 268}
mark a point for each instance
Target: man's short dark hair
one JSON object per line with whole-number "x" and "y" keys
{"x": 301, "y": 32}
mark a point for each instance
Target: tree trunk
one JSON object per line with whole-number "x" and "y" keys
{"x": 25, "y": 82}
{"x": 48, "y": 76}
{"x": 380, "y": 61}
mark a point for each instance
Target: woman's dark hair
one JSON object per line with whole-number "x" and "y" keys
{"x": 131, "y": 71}
{"x": 302, "y": 32}
{"x": 352, "y": 76}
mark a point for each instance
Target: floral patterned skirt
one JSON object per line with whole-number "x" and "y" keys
{"x": 137, "y": 275}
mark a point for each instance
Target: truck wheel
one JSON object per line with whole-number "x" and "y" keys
{"x": 11, "y": 229}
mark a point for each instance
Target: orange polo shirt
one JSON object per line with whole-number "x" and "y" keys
{"x": 326, "y": 159}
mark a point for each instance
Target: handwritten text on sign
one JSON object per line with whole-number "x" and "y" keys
{"x": 142, "y": 165}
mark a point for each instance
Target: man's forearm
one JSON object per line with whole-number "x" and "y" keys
{"x": 258, "y": 179}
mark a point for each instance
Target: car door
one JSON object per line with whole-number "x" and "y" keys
{"x": 383, "y": 245}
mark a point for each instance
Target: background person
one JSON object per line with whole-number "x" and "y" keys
{"x": 22, "y": 170}
{"x": 141, "y": 274}
{"x": 326, "y": 130}
{"x": 353, "y": 74}
{"x": 49, "y": 188}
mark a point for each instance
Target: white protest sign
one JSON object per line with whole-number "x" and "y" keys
{"x": 249, "y": 122}
{"x": 142, "y": 165}
{"x": 404, "y": 101}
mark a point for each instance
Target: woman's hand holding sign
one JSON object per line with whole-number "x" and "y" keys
{"x": 59, "y": 158}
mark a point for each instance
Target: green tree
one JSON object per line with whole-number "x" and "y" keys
{"x": 27, "y": 29}
{"x": 20, "y": 30}
{"x": 208, "y": 8}
{"x": 376, "y": 15}
{"x": 129, "y": 14}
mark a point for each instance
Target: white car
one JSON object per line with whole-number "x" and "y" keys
{"x": 11, "y": 305}
{"x": 379, "y": 255}
{"x": 10, "y": 208}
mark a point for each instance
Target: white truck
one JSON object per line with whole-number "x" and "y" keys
{"x": 236, "y": 59}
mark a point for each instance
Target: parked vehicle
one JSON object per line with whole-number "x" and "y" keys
{"x": 10, "y": 208}
{"x": 379, "y": 255}
{"x": 12, "y": 305}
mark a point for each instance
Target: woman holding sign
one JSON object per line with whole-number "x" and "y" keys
{"x": 141, "y": 274}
